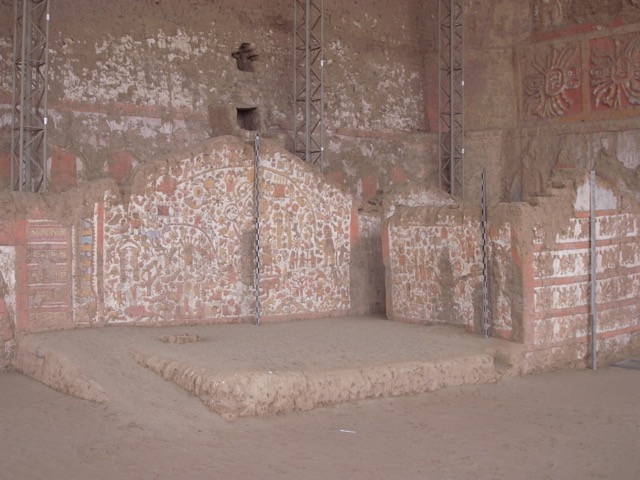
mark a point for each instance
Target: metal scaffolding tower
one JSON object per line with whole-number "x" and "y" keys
{"x": 308, "y": 113}
{"x": 451, "y": 96}
{"x": 30, "y": 79}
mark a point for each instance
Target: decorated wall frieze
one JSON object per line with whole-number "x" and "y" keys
{"x": 588, "y": 77}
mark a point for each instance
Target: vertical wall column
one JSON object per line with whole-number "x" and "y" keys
{"x": 308, "y": 59}
{"x": 30, "y": 79}
{"x": 451, "y": 96}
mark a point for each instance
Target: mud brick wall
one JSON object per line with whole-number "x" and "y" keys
{"x": 539, "y": 272}
{"x": 433, "y": 260}
{"x": 558, "y": 324}
{"x": 578, "y": 97}
{"x": 134, "y": 79}
{"x": 179, "y": 247}
{"x": 182, "y": 250}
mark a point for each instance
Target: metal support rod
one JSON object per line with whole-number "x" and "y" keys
{"x": 485, "y": 259}
{"x": 451, "y": 96}
{"x": 30, "y": 86}
{"x": 308, "y": 80}
{"x": 256, "y": 201}
{"x": 594, "y": 269}
{"x": 307, "y": 77}
{"x": 452, "y": 112}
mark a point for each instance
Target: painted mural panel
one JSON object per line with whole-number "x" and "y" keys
{"x": 184, "y": 249}
{"x": 48, "y": 267}
{"x": 87, "y": 266}
{"x": 436, "y": 271}
{"x": 305, "y": 240}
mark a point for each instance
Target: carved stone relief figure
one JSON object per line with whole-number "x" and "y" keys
{"x": 546, "y": 90}
{"x": 615, "y": 74}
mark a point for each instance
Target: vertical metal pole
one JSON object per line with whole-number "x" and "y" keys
{"x": 25, "y": 41}
{"x": 45, "y": 174}
{"x": 451, "y": 96}
{"x": 295, "y": 76}
{"x": 485, "y": 259}
{"x": 14, "y": 114}
{"x": 321, "y": 119}
{"x": 461, "y": 113}
{"x": 30, "y": 95}
{"x": 308, "y": 82}
{"x": 256, "y": 202}
{"x": 594, "y": 267}
{"x": 307, "y": 74}
{"x": 440, "y": 152}
{"x": 452, "y": 103}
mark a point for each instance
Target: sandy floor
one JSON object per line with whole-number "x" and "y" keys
{"x": 563, "y": 425}
{"x": 274, "y": 368}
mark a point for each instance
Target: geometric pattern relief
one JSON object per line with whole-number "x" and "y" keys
{"x": 551, "y": 85}
{"x": 185, "y": 249}
{"x": 48, "y": 266}
{"x": 85, "y": 281}
{"x": 436, "y": 271}
{"x": 615, "y": 72}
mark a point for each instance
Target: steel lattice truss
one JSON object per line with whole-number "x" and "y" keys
{"x": 308, "y": 81}
{"x": 30, "y": 54}
{"x": 451, "y": 97}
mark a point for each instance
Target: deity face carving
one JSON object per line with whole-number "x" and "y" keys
{"x": 615, "y": 76}
{"x": 546, "y": 89}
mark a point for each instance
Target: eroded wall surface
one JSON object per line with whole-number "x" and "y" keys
{"x": 133, "y": 79}
{"x": 434, "y": 265}
{"x": 558, "y": 327}
{"x": 539, "y": 280}
{"x": 578, "y": 93}
{"x": 180, "y": 247}
{"x": 7, "y": 300}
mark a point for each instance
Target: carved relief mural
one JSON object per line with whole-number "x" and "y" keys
{"x": 595, "y": 75}
{"x": 305, "y": 242}
{"x": 85, "y": 276}
{"x": 551, "y": 85}
{"x": 615, "y": 72}
{"x": 435, "y": 269}
{"x": 48, "y": 261}
{"x": 184, "y": 250}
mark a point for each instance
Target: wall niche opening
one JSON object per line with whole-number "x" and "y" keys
{"x": 245, "y": 57}
{"x": 248, "y": 118}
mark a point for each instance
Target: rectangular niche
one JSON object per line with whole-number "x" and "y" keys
{"x": 248, "y": 118}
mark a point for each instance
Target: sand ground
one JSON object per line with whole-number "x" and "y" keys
{"x": 572, "y": 424}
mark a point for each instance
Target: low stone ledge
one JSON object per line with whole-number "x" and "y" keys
{"x": 55, "y": 371}
{"x": 233, "y": 395}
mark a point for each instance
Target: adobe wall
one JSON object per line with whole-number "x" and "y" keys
{"x": 578, "y": 96}
{"x": 434, "y": 265}
{"x": 542, "y": 79}
{"x": 539, "y": 271}
{"x": 557, "y": 280}
{"x": 134, "y": 79}
{"x": 179, "y": 246}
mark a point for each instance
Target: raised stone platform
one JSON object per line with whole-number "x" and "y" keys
{"x": 242, "y": 369}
